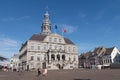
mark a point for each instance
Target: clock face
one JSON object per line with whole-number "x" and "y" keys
{"x": 46, "y": 28}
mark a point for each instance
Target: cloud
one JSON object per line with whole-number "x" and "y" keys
{"x": 8, "y": 46}
{"x": 101, "y": 14}
{"x": 15, "y": 19}
{"x": 82, "y": 15}
{"x": 69, "y": 28}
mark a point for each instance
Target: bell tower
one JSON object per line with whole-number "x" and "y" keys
{"x": 46, "y": 26}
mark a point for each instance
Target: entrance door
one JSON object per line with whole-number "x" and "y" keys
{"x": 44, "y": 65}
{"x": 58, "y": 65}
{"x": 27, "y": 67}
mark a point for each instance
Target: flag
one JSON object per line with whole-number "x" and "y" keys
{"x": 64, "y": 30}
{"x": 55, "y": 26}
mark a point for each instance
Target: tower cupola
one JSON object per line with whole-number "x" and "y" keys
{"x": 46, "y": 25}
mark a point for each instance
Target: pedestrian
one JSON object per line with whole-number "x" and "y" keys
{"x": 45, "y": 71}
{"x": 39, "y": 72}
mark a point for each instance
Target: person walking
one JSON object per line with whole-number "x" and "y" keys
{"x": 45, "y": 71}
{"x": 39, "y": 72}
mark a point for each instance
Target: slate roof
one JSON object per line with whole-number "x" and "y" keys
{"x": 41, "y": 37}
{"x": 68, "y": 41}
{"x": 38, "y": 37}
{"x": 109, "y": 51}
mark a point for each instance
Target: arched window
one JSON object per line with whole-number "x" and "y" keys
{"x": 52, "y": 57}
{"x": 63, "y": 57}
{"x": 58, "y": 57}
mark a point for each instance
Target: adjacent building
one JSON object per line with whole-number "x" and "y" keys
{"x": 100, "y": 57}
{"x": 14, "y": 62}
{"x": 48, "y": 50}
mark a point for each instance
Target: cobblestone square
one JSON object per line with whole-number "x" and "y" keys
{"x": 78, "y": 74}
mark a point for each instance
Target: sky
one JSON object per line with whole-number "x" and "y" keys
{"x": 89, "y": 23}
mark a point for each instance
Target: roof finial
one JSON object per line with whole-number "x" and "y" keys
{"x": 46, "y": 8}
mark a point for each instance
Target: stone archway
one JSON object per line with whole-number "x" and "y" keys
{"x": 63, "y": 57}
{"x": 27, "y": 67}
{"x": 53, "y": 57}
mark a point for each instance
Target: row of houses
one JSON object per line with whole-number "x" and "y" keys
{"x": 100, "y": 57}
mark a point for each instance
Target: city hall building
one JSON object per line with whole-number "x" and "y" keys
{"x": 48, "y": 50}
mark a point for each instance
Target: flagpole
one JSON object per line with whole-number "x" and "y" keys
{"x": 62, "y": 33}
{"x": 55, "y": 29}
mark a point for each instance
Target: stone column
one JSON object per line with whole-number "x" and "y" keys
{"x": 50, "y": 57}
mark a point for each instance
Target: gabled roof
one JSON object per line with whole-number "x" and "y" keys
{"x": 68, "y": 41}
{"x": 38, "y": 37}
{"x": 105, "y": 52}
{"x": 109, "y": 50}
{"x": 86, "y": 55}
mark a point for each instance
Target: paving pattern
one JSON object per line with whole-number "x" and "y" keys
{"x": 78, "y": 74}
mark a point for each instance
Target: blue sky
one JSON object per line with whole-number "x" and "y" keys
{"x": 89, "y": 23}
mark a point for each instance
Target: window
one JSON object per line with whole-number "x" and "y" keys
{"x": 38, "y": 63}
{"x": 32, "y": 47}
{"x": 38, "y": 58}
{"x": 60, "y": 47}
{"x": 50, "y": 39}
{"x": 65, "y": 48}
{"x": 69, "y": 49}
{"x": 38, "y": 47}
{"x": 55, "y": 39}
{"x": 45, "y": 57}
{"x": 32, "y": 58}
{"x": 63, "y": 57}
{"x": 44, "y": 47}
{"x": 74, "y": 59}
{"x": 52, "y": 57}
{"x": 73, "y": 49}
{"x": 60, "y": 40}
{"x": 50, "y": 47}
{"x": 55, "y": 47}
